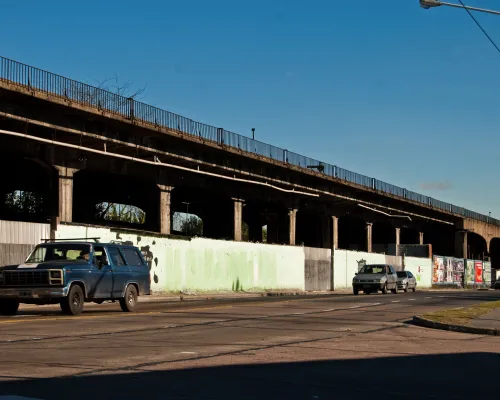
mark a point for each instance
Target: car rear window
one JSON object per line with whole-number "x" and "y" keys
{"x": 132, "y": 257}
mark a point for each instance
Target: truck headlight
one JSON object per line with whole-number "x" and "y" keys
{"x": 55, "y": 274}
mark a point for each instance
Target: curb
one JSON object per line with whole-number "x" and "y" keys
{"x": 427, "y": 323}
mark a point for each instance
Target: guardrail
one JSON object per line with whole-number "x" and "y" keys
{"x": 47, "y": 82}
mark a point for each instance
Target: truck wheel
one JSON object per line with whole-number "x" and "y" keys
{"x": 9, "y": 307}
{"x": 72, "y": 304}
{"x": 129, "y": 302}
{"x": 355, "y": 291}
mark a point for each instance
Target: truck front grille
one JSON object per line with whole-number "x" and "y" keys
{"x": 26, "y": 278}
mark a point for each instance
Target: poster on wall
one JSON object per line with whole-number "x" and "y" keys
{"x": 470, "y": 272}
{"x": 487, "y": 273}
{"x": 438, "y": 270}
{"x": 448, "y": 271}
{"x": 479, "y": 271}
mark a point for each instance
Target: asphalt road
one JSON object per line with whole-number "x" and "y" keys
{"x": 315, "y": 347}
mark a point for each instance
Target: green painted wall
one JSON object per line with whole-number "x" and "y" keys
{"x": 209, "y": 265}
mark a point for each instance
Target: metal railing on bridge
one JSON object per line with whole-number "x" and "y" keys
{"x": 77, "y": 92}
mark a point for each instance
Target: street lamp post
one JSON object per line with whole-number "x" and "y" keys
{"x": 436, "y": 3}
{"x": 253, "y": 133}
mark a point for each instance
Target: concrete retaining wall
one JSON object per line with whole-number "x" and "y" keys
{"x": 347, "y": 263}
{"x": 208, "y": 265}
{"x": 318, "y": 269}
{"x": 421, "y": 268}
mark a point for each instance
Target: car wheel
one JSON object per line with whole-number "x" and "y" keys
{"x": 129, "y": 302}
{"x": 384, "y": 289}
{"x": 72, "y": 304}
{"x": 9, "y": 307}
{"x": 395, "y": 290}
{"x": 355, "y": 291}
{"x": 406, "y": 288}
{"x": 414, "y": 288}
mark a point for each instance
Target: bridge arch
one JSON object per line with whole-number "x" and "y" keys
{"x": 495, "y": 253}
{"x": 477, "y": 247}
{"x": 28, "y": 191}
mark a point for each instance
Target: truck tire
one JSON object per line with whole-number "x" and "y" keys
{"x": 72, "y": 304}
{"x": 129, "y": 302}
{"x": 9, "y": 307}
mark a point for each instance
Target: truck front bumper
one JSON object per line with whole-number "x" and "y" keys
{"x": 31, "y": 293}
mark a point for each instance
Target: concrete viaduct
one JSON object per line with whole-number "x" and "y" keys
{"x": 75, "y": 146}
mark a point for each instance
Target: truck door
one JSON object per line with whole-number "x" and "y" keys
{"x": 121, "y": 271}
{"x": 139, "y": 270}
{"x": 101, "y": 275}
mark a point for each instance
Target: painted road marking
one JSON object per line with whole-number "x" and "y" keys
{"x": 428, "y": 297}
{"x": 411, "y": 299}
{"x": 330, "y": 309}
{"x": 395, "y": 301}
{"x": 298, "y": 313}
{"x": 184, "y": 352}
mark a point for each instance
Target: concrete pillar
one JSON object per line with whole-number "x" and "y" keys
{"x": 369, "y": 229}
{"x": 292, "y": 215}
{"x": 165, "y": 213}
{"x": 421, "y": 238}
{"x": 335, "y": 232}
{"x": 461, "y": 244}
{"x": 398, "y": 240}
{"x": 65, "y": 209}
{"x": 238, "y": 219}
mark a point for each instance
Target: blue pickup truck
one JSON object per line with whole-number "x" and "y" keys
{"x": 71, "y": 273}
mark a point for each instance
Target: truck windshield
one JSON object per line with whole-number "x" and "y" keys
{"x": 55, "y": 252}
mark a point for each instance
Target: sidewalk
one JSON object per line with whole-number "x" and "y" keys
{"x": 487, "y": 321}
{"x": 481, "y": 319}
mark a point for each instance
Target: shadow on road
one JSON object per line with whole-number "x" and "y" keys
{"x": 453, "y": 376}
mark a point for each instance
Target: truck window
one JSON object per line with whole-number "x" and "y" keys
{"x": 115, "y": 256}
{"x": 132, "y": 257}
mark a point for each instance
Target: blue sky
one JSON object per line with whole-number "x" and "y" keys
{"x": 382, "y": 88}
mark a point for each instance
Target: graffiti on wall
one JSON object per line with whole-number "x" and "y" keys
{"x": 448, "y": 271}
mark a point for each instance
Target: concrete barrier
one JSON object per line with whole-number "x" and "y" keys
{"x": 421, "y": 268}
{"x": 200, "y": 265}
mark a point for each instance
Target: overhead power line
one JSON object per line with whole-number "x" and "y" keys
{"x": 479, "y": 25}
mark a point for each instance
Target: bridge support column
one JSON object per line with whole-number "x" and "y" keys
{"x": 398, "y": 240}
{"x": 369, "y": 231}
{"x": 65, "y": 208}
{"x": 335, "y": 232}
{"x": 461, "y": 244}
{"x": 165, "y": 213}
{"x": 292, "y": 215}
{"x": 238, "y": 219}
{"x": 421, "y": 238}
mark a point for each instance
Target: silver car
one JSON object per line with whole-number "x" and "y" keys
{"x": 374, "y": 277}
{"x": 406, "y": 281}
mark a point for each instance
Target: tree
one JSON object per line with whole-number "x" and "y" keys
{"x": 23, "y": 202}
{"x": 188, "y": 224}
{"x": 120, "y": 213}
